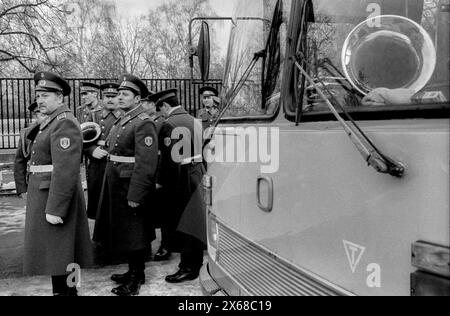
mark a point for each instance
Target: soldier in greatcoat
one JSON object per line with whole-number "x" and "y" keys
{"x": 90, "y": 102}
{"x": 124, "y": 218}
{"x": 97, "y": 153}
{"x": 182, "y": 171}
{"x": 158, "y": 203}
{"x": 56, "y": 229}
{"x": 210, "y": 101}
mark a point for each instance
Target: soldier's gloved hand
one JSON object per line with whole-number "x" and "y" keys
{"x": 158, "y": 186}
{"x": 54, "y": 220}
{"x": 99, "y": 153}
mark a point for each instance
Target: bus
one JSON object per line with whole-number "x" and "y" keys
{"x": 328, "y": 166}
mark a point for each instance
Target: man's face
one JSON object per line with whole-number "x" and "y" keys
{"x": 208, "y": 101}
{"x": 111, "y": 102}
{"x": 127, "y": 100}
{"x": 164, "y": 110}
{"x": 88, "y": 97}
{"x": 48, "y": 102}
{"x": 149, "y": 107}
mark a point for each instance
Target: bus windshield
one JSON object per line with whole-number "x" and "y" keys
{"x": 249, "y": 34}
{"x": 376, "y": 55}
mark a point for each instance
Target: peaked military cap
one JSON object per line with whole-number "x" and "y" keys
{"x": 133, "y": 83}
{"x": 212, "y": 91}
{"x": 48, "y": 81}
{"x": 164, "y": 96}
{"x": 110, "y": 88}
{"x": 89, "y": 87}
{"x": 150, "y": 96}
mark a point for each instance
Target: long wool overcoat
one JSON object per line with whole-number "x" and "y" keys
{"x": 50, "y": 249}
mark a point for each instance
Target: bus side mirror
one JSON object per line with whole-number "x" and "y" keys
{"x": 203, "y": 52}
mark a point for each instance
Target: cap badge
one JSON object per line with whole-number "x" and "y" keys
{"x": 42, "y": 83}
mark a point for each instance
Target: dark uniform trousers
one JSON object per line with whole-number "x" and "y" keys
{"x": 96, "y": 167}
{"x": 129, "y": 176}
{"x": 192, "y": 246}
{"x": 186, "y": 215}
{"x": 160, "y": 210}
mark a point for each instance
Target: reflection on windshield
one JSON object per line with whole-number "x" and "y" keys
{"x": 247, "y": 38}
{"x": 348, "y": 51}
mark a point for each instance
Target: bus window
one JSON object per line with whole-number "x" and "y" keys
{"x": 259, "y": 97}
{"x": 376, "y": 57}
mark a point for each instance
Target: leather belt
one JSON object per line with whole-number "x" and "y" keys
{"x": 101, "y": 143}
{"x": 41, "y": 169}
{"x": 192, "y": 160}
{"x": 122, "y": 159}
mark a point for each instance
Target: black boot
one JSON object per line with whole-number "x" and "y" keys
{"x": 59, "y": 285}
{"x": 72, "y": 291}
{"x": 121, "y": 278}
{"x": 132, "y": 286}
{"x": 162, "y": 255}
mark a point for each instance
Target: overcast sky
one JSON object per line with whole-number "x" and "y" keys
{"x": 136, "y": 7}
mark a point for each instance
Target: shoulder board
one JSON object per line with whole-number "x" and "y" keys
{"x": 125, "y": 120}
{"x": 144, "y": 116}
{"x": 61, "y": 117}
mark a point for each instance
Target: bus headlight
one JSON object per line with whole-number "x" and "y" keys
{"x": 213, "y": 236}
{"x": 207, "y": 190}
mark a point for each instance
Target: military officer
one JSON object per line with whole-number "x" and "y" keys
{"x": 148, "y": 104}
{"x": 90, "y": 103}
{"x": 210, "y": 101}
{"x": 23, "y": 152}
{"x": 123, "y": 223}
{"x": 97, "y": 153}
{"x": 181, "y": 174}
{"x": 56, "y": 230}
{"x": 163, "y": 252}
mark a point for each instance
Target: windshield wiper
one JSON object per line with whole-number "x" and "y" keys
{"x": 235, "y": 92}
{"x": 372, "y": 155}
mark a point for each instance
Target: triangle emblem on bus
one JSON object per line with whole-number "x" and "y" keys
{"x": 354, "y": 254}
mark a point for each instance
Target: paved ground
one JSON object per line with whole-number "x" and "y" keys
{"x": 94, "y": 282}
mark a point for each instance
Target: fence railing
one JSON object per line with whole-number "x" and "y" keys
{"x": 17, "y": 93}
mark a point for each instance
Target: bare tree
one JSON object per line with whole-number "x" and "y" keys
{"x": 167, "y": 37}
{"x": 28, "y": 34}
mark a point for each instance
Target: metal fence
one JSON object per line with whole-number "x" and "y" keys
{"x": 17, "y": 93}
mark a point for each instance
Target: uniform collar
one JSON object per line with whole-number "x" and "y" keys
{"x": 116, "y": 113}
{"x": 62, "y": 110}
{"x": 176, "y": 111}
